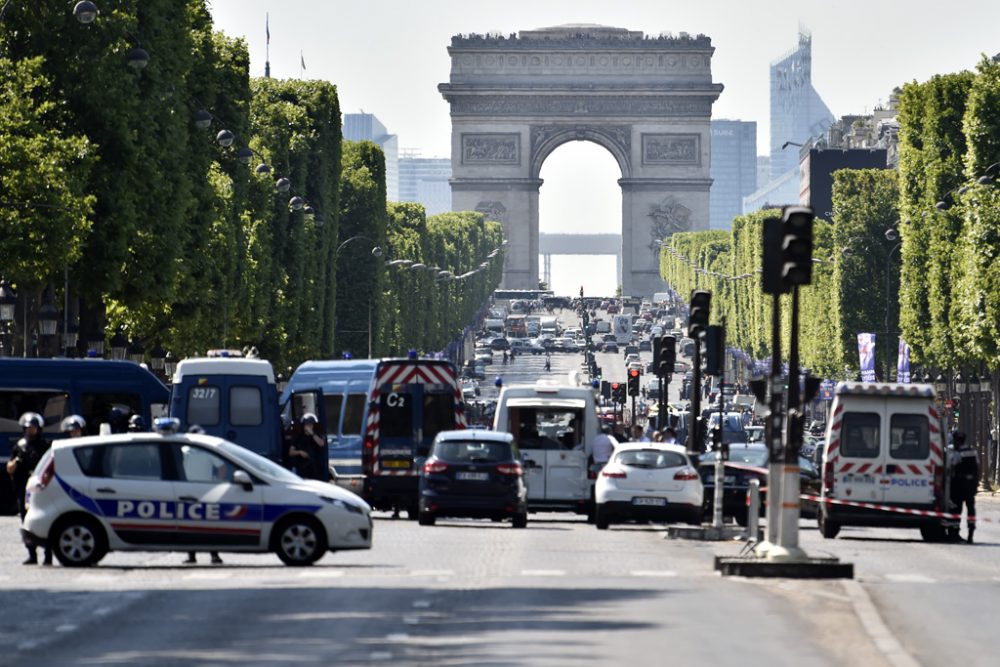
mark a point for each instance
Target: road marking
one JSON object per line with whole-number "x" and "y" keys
{"x": 421, "y": 604}
{"x": 204, "y": 576}
{"x": 431, "y": 573}
{"x": 542, "y": 573}
{"x": 397, "y": 637}
{"x": 321, "y": 574}
{"x": 380, "y": 655}
{"x": 411, "y": 620}
{"x": 654, "y": 573}
{"x": 910, "y": 579}
{"x": 27, "y": 646}
{"x": 103, "y": 611}
{"x": 875, "y": 627}
{"x": 68, "y": 627}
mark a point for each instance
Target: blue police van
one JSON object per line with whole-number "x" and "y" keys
{"x": 97, "y": 389}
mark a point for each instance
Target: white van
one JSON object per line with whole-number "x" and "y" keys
{"x": 884, "y": 446}
{"x": 554, "y": 427}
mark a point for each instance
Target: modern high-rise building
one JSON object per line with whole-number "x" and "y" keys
{"x": 425, "y": 181}
{"x": 798, "y": 114}
{"x": 733, "y": 170}
{"x": 366, "y": 127}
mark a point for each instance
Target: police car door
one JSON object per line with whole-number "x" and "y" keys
{"x": 212, "y": 512}
{"x": 909, "y": 471}
{"x": 136, "y": 496}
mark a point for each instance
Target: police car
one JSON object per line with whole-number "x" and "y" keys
{"x": 164, "y": 491}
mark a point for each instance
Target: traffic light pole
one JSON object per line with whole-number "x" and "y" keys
{"x": 693, "y": 446}
{"x": 772, "y": 429}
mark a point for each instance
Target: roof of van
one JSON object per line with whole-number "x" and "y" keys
{"x": 884, "y": 389}
{"x": 35, "y": 372}
{"x": 223, "y": 366}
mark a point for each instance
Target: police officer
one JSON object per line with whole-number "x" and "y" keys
{"x": 136, "y": 424}
{"x": 965, "y": 480}
{"x": 25, "y": 457}
{"x": 73, "y": 426}
{"x": 306, "y": 451}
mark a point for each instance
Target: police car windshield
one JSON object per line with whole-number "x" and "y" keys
{"x": 258, "y": 464}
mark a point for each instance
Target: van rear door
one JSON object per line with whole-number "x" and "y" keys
{"x": 909, "y": 471}
{"x": 860, "y": 466}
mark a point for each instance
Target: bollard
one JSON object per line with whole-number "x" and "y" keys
{"x": 753, "y": 510}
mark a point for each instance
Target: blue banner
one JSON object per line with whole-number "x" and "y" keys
{"x": 903, "y": 364}
{"x": 866, "y": 350}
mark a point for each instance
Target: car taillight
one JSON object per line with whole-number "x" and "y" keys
{"x": 828, "y": 476}
{"x": 510, "y": 469}
{"x": 48, "y": 473}
{"x": 614, "y": 474}
{"x": 686, "y": 475}
{"x": 435, "y": 467}
{"x": 368, "y": 455}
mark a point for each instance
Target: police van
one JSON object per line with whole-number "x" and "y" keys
{"x": 380, "y": 417}
{"x": 554, "y": 426}
{"x": 885, "y": 449}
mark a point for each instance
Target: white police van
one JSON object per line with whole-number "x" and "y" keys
{"x": 165, "y": 491}
{"x": 884, "y": 464}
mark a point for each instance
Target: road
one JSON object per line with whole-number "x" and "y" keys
{"x": 481, "y": 593}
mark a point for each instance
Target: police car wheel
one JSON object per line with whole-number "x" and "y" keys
{"x": 300, "y": 541}
{"x": 78, "y": 541}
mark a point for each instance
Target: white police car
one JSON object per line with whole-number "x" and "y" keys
{"x": 182, "y": 492}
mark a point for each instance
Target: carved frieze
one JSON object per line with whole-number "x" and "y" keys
{"x": 669, "y": 217}
{"x": 671, "y": 149}
{"x": 493, "y": 148}
{"x": 493, "y": 210}
{"x": 617, "y": 135}
{"x": 611, "y": 105}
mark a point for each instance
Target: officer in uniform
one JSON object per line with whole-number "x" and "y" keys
{"x": 965, "y": 480}
{"x": 24, "y": 458}
{"x": 74, "y": 426}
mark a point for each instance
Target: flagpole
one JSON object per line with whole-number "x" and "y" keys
{"x": 267, "y": 48}
{"x": 302, "y": 65}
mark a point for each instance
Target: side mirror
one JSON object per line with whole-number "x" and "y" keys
{"x": 243, "y": 479}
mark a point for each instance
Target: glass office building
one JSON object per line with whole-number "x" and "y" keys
{"x": 734, "y": 169}
{"x": 366, "y": 127}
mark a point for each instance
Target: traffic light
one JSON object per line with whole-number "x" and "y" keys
{"x": 618, "y": 392}
{"x": 796, "y": 245}
{"x": 701, "y": 303}
{"x": 633, "y": 382}
{"x": 771, "y": 265}
{"x": 668, "y": 356}
{"x": 715, "y": 350}
{"x": 605, "y": 389}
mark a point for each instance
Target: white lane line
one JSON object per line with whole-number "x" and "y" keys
{"x": 910, "y": 579}
{"x": 421, "y": 604}
{"x": 103, "y": 611}
{"x": 68, "y": 627}
{"x": 543, "y": 573}
{"x": 204, "y": 576}
{"x": 411, "y": 620}
{"x": 654, "y": 573}
{"x": 431, "y": 573}
{"x": 397, "y": 637}
{"x": 380, "y": 655}
{"x": 876, "y": 628}
{"x": 321, "y": 574}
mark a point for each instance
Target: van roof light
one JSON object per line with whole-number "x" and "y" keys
{"x": 166, "y": 425}
{"x": 225, "y": 354}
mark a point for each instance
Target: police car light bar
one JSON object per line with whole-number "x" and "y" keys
{"x": 166, "y": 425}
{"x": 225, "y": 354}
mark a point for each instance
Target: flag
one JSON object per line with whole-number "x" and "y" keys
{"x": 903, "y": 364}
{"x": 302, "y": 60}
{"x": 267, "y": 27}
{"x": 866, "y": 350}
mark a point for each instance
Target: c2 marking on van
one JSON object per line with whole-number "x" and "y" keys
{"x": 395, "y": 400}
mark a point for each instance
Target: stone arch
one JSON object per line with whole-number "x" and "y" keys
{"x": 545, "y": 139}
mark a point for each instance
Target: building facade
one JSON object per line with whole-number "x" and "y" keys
{"x": 425, "y": 181}
{"x": 366, "y": 127}
{"x": 733, "y": 169}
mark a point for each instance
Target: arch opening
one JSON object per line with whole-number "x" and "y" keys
{"x": 580, "y": 218}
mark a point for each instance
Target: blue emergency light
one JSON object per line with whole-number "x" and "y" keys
{"x": 498, "y": 382}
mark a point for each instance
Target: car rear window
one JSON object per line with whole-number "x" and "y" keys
{"x": 908, "y": 437}
{"x": 473, "y": 451}
{"x": 651, "y": 458}
{"x": 89, "y": 460}
{"x": 860, "y": 435}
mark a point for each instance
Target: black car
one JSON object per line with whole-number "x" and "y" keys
{"x": 475, "y": 474}
{"x": 746, "y": 462}
{"x": 645, "y": 346}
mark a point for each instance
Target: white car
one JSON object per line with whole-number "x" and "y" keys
{"x": 165, "y": 491}
{"x": 649, "y": 482}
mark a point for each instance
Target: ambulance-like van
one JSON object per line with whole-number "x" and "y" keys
{"x": 884, "y": 453}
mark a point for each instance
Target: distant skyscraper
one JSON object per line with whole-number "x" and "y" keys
{"x": 734, "y": 169}
{"x": 366, "y": 127}
{"x": 425, "y": 181}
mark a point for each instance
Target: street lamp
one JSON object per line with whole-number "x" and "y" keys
{"x": 85, "y": 12}
{"x": 940, "y": 385}
{"x": 960, "y": 383}
{"x": 119, "y": 346}
{"x": 96, "y": 344}
{"x": 891, "y": 234}
{"x": 8, "y": 302}
{"x": 138, "y": 58}
{"x": 136, "y": 352}
{"x": 157, "y": 357}
{"x": 48, "y": 317}
{"x": 376, "y": 251}
{"x": 70, "y": 338}
{"x": 169, "y": 365}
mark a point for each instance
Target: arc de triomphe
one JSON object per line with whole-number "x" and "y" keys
{"x": 647, "y": 100}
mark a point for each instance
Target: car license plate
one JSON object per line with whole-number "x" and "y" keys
{"x": 395, "y": 464}
{"x": 650, "y": 502}
{"x": 472, "y": 476}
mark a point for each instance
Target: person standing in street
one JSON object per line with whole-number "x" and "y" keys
{"x": 24, "y": 458}
{"x": 603, "y": 446}
{"x": 965, "y": 481}
{"x": 306, "y": 451}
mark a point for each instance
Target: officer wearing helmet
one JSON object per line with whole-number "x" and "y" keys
{"x": 73, "y": 426}
{"x": 307, "y": 450}
{"x": 965, "y": 480}
{"x": 24, "y": 458}
{"x": 136, "y": 424}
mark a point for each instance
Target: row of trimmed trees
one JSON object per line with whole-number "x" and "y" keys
{"x": 933, "y": 279}
{"x": 167, "y": 235}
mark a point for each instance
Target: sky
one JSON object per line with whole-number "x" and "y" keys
{"x": 388, "y": 56}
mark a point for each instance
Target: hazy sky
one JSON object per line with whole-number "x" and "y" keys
{"x": 388, "y": 56}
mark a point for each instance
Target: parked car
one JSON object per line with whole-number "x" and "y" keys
{"x": 611, "y": 346}
{"x": 499, "y": 343}
{"x": 643, "y": 482}
{"x": 645, "y": 346}
{"x": 476, "y": 474}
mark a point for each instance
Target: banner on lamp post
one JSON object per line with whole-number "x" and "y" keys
{"x": 903, "y": 364}
{"x": 866, "y": 350}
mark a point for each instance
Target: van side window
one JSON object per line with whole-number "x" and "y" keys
{"x": 246, "y": 407}
{"x": 908, "y": 437}
{"x": 860, "y": 435}
{"x": 332, "y": 403}
{"x": 96, "y": 409}
{"x": 203, "y": 405}
{"x": 53, "y": 405}
{"x": 354, "y": 413}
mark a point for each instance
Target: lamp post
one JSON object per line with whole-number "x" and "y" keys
{"x": 891, "y": 235}
{"x": 376, "y": 251}
{"x": 119, "y": 346}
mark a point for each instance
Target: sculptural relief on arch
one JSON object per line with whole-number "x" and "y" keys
{"x": 647, "y": 100}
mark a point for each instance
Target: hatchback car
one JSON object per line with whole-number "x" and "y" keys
{"x": 474, "y": 474}
{"x": 180, "y": 492}
{"x": 648, "y": 482}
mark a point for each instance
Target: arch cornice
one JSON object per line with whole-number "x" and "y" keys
{"x": 615, "y": 138}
